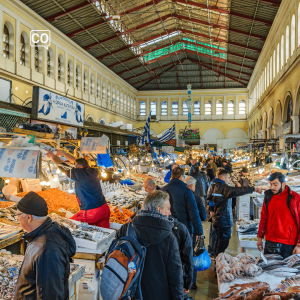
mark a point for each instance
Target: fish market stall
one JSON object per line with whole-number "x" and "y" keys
{"x": 244, "y": 273}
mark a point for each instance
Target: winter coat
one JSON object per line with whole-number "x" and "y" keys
{"x": 184, "y": 206}
{"x": 201, "y": 184}
{"x": 168, "y": 177}
{"x": 280, "y": 217}
{"x": 219, "y": 196}
{"x": 200, "y": 205}
{"x": 46, "y": 267}
{"x": 211, "y": 175}
{"x": 186, "y": 252}
{"x": 162, "y": 277}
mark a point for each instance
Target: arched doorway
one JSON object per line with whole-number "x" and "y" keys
{"x": 287, "y": 114}
{"x": 278, "y": 120}
{"x": 264, "y": 126}
{"x": 270, "y": 124}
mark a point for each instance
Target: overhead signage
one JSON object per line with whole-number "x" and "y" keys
{"x": 96, "y": 145}
{"x": 241, "y": 144}
{"x": 52, "y": 107}
{"x": 19, "y": 163}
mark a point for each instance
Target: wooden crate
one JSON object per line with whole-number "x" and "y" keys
{"x": 43, "y": 135}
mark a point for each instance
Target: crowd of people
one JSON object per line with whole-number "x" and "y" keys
{"x": 168, "y": 224}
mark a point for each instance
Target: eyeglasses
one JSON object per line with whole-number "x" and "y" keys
{"x": 16, "y": 216}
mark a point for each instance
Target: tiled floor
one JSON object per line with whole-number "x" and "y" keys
{"x": 206, "y": 281}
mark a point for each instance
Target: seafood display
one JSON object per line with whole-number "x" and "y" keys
{"x": 58, "y": 200}
{"x": 120, "y": 216}
{"x": 123, "y": 198}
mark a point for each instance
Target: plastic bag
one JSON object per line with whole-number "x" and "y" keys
{"x": 202, "y": 262}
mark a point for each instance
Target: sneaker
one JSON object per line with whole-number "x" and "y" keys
{"x": 194, "y": 286}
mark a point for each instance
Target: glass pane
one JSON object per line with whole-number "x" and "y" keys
{"x": 208, "y": 108}
{"x": 196, "y": 108}
{"x": 143, "y": 108}
{"x": 153, "y": 108}
{"x": 164, "y": 108}
{"x": 175, "y": 108}
{"x": 184, "y": 108}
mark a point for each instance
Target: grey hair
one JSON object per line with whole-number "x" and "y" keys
{"x": 190, "y": 180}
{"x": 39, "y": 218}
{"x": 150, "y": 181}
{"x": 155, "y": 200}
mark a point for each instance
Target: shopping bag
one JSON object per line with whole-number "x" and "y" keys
{"x": 202, "y": 262}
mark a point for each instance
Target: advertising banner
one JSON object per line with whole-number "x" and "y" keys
{"x": 97, "y": 145}
{"x": 19, "y": 163}
{"x": 52, "y": 107}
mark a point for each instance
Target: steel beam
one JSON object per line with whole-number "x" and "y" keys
{"x": 89, "y": 47}
{"x": 67, "y": 11}
{"x": 177, "y": 76}
{"x": 74, "y": 33}
{"x": 121, "y": 62}
{"x": 113, "y": 52}
{"x": 269, "y": 23}
{"x": 242, "y": 56}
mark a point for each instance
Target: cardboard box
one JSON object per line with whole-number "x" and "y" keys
{"x": 92, "y": 274}
{"x": 88, "y": 290}
{"x": 31, "y": 185}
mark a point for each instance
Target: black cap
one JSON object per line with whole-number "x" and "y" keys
{"x": 244, "y": 170}
{"x": 33, "y": 204}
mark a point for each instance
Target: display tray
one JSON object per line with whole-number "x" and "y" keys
{"x": 248, "y": 244}
{"x": 115, "y": 226}
{"x": 77, "y": 275}
{"x": 96, "y": 245}
{"x": 92, "y": 251}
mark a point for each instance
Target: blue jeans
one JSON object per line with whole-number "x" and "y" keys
{"x": 277, "y": 248}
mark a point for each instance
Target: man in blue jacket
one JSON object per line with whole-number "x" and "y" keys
{"x": 183, "y": 203}
{"x": 168, "y": 175}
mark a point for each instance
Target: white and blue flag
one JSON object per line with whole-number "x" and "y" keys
{"x": 145, "y": 137}
{"x": 169, "y": 135}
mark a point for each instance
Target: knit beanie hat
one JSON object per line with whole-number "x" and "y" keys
{"x": 33, "y": 204}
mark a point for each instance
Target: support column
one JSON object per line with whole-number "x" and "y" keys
{"x": 66, "y": 69}
{"x": 169, "y": 107}
{"x": 213, "y": 105}
{"x": 295, "y": 124}
{"x": 1, "y": 40}
{"x": 17, "y": 39}
{"x": 202, "y": 106}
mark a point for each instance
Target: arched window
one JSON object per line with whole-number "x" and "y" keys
{"x": 164, "y": 108}
{"x": 114, "y": 95}
{"x": 78, "y": 78}
{"x": 37, "y": 58}
{"x": 108, "y": 92}
{"x": 70, "y": 73}
{"x": 207, "y": 107}
{"x": 153, "y": 108}
{"x": 129, "y": 103}
{"x": 124, "y": 102}
{"x": 270, "y": 71}
{"x": 85, "y": 81}
{"x": 298, "y": 24}
{"x": 197, "y": 107}
{"x": 92, "y": 83}
{"x": 185, "y": 109}
{"x": 293, "y": 35}
{"x": 118, "y": 98}
{"x": 102, "y": 121}
{"x": 121, "y": 100}
{"x": 22, "y": 50}
{"x": 219, "y": 107}
{"x": 174, "y": 108}
{"x": 5, "y": 41}
{"x": 143, "y": 108}
{"x": 287, "y": 43}
{"x": 103, "y": 91}
{"x": 134, "y": 106}
{"x": 98, "y": 87}
{"x": 50, "y": 63}
{"x": 60, "y": 68}
{"x": 242, "y": 107}
{"x": 230, "y": 107}
{"x": 277, "y": 68}
{"x": 282, "y": 52}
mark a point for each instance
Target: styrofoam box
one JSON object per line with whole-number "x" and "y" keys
{"x": 90, "y": 265}
{"x": 88, "y": 290}
{"x": 248, "y": 244}
{"x": 244, "y": 205}
{"x": 88, "y": 250}
{"x": 97, "y": 245}
{"x": 115, "y": 226}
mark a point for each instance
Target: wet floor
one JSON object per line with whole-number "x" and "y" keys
{"x": 206, "y": 281}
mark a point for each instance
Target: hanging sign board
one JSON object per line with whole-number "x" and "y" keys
{"x": 19, "y": 163}
{"x": 52, "y": 107}
{"x": 241, "y": 144}
{"x": 287, "y": 128}
{"x": 97, "y": 145}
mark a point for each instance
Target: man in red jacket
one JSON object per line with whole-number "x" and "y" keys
{"x": 280, "y": 219}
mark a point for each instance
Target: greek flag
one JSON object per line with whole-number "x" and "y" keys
{"x": 145, "y": 137}
{"x": 169, "y": 135}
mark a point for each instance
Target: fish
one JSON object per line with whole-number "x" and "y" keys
{"x": 273, "y": 256}
{"x": 284, "y": 269}
{"x": 242, "y": 291}
{"x": 271, "y": 263}
{"x": 274, "y": 297}
{"x": 240, "y": 297}
{"x": 283, "y": 296}
{"x": 229, "y": 293}
{"x": 281, "y": 274}
{"x": 266, "y": 289}
{"x": 256, "y": 296}
{"x": 289, "y": 257}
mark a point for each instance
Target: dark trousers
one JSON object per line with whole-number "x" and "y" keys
{"x": 195, "y": 271}
{"x": 222, "y": 240}
{"x": 277, "y": 248}
{"x": 212, "y": 239}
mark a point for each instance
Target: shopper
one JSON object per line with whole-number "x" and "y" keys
{"x": 219, "y": 196}
{"x": 244, "y": 179}
{"x": 213, "y": 165}
{"x": 227, "y": 166}
{"x": 150, "y": 186}
{"x": 210, "y": 172}
{"x": 183, "y": 203}
{"x": 168, "y": 175}
{"x": 280, "y": 219}
{"x": 194, "y": 164}
{"x": 201, "y": 184}
{"x": 162, "y": 277}
{"x": 94, "y": 209}
{"x": 46, "y": 267}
